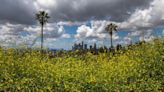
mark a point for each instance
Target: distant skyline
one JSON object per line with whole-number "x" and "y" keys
{"x": 73, "y": 21}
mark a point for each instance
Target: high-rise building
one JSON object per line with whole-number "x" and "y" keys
{"x": 95, "y": 47}
{"x": 90, "y": 47}
{"x": 82, "y": 46}
{"x": 85, "y": 46}
{"x": 79, "y": 46}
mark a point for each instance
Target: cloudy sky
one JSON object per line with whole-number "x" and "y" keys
{"x": 73, "y": 21}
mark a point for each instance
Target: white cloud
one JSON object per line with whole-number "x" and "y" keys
{"x": 146, "y": 18}
{"x": 96, "y": 31}
{"x": 15, "y": 34}
{"x": 83, "y": 32}
{"x": 147, "y": 35}
{"x": 135, "y": 33}
{"x": 9, "y": 34}
{"x": 70, "y": 23}
{"x": 50, "y": 31}
{"x": 66, "y": 36}
{"x": 127, "y": 40}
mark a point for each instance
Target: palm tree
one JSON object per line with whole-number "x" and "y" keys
{"x": 42, "y": 17}
{"x": 110, "y": 28}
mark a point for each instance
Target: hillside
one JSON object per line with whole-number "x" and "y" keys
{"x": 140, "y": 68}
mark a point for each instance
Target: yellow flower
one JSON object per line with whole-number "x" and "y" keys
{"x": 162, "y": 57}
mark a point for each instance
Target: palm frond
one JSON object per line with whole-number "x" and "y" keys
{"x": 42, "y": 17}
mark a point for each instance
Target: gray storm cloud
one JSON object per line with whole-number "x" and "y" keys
{"x": 82, "y": 10}
{"x": 23, "y": 11}
{"x": 17, "y": 11}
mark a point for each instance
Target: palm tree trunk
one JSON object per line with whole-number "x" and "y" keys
{"x": 143, "y": 36}
{"x": 111, "y": 41}
{"x": 42, "y": 38}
